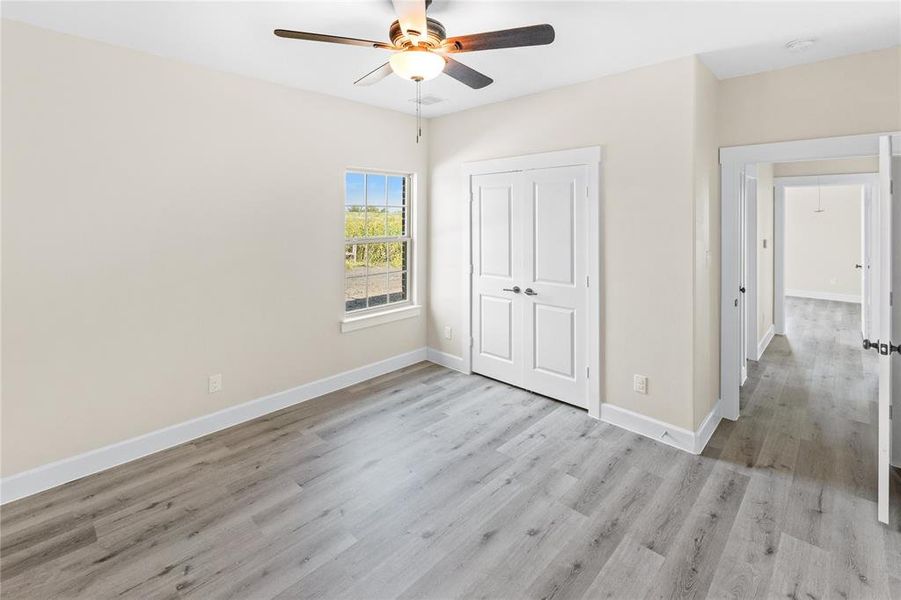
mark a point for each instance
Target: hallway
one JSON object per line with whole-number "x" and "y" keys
{"x": 807, "y": 436}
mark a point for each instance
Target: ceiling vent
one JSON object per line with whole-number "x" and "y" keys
{"x": 427, "y": 100}
{"x": 799, "y": 45}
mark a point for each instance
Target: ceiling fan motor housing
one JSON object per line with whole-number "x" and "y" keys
{"x": 434, "y": 39}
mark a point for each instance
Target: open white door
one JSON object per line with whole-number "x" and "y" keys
{"x": 884, "y": 345}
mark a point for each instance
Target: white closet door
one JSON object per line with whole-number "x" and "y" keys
{"x": 554, "y": 297}
{"x": 497, "y": 267}
{"x": 529, "y": 281}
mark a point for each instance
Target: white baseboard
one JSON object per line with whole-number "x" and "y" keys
{"x": 683, "y": 439}
{"x": 765, "y": 341}
{"x": 855, "y": 298}
{"x": 63, "y": 471}
{"x": 444, "y": 359}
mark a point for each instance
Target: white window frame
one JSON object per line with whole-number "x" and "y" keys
{"x": 386, "y": 313}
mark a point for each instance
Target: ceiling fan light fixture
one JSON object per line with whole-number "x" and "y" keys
{"x": 417, "y": 64}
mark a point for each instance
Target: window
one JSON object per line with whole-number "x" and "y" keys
{"x": 376, "y": 240}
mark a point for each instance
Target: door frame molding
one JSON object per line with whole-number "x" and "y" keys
{"x": 869, "y": 181}
{"x": 590, "y": 157}
{"x": 733, "y": 161}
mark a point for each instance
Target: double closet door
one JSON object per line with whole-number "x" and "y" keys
{"x": 530, "y": 280}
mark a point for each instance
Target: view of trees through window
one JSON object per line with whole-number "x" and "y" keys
{"x": 377, "y": 240}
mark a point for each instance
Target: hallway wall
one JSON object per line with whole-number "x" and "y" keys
{"x": 821, "y": 249}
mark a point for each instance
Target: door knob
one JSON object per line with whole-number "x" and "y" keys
{"x": 531, "y": 292}
{"x": 742, "y": 289}
{"x": 514, "y": 289}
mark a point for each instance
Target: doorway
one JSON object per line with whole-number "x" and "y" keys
{"x": 534, "y": 277}
{"x": 827, "y": 243}
{"x": 883, "y": 318}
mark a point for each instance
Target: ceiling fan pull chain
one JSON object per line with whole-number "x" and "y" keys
{"x": 418, "y": 110}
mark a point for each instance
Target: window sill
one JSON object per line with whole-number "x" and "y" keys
{"x": 379, "y": 318}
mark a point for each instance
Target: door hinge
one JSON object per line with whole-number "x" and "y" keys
{"x": 470, "y": 269}
{"x": 587, "y": 372}
{"x": 890, "y": 412}
{"x": 472, "y": 196}
{"x": 586, "y": 191}
{"x": 587, "y": 281}
{"x": 471, "y": 342}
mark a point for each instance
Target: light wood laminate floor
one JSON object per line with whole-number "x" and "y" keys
{"x": 429, "y": 484}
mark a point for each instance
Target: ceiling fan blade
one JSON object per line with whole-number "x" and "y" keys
{"x": 334, "y": 39}
{"x": 375, "y": 75}
{"x": 466, "y": 75}
{"x": 533, "y": 35}
{"x": 411, "y": 16}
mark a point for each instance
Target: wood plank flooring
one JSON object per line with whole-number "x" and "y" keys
{"x": 426, "y": 483}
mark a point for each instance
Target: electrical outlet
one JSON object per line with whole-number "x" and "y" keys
{"x": 448, "y": 332}
{"x": 215, "y": 383}
{"x": 640, "y": 384}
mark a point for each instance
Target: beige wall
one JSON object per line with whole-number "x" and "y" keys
{"x": 644, "y": 121}
{"x": 821, "y": 249}
{"x": 844, "y": 166}
{"x": 706, "y": 302}
{"x": 162, "y": 222}
{"x": 841, "y": 96}
{"x": 765, "y": 264}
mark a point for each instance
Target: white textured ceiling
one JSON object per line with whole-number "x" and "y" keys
{"x": 593, "y": 39}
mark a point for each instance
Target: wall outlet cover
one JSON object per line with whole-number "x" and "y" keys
{"x": 640, "y": 384}
{"x": 215, "y": 383}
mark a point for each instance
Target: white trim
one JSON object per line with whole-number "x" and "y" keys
{"x": 591, "y": 157}
{"x": 778, "y": 256}
{"x": 693, "y": 442}
{"x": 765, "y": 341}
{"x": 733, "y": 161}
{"x": 834, "y": 179}
{"x": 379, "y": 318}
{"x": 69, "y": 469}
{"x": 445, "y": 360}
{"x": 707, "y": 428}
{"x": 849, "y": 146}
{"x": 854, "y": 298}
{"x": 540, "y": 160}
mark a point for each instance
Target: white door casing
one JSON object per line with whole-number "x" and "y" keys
{"x": 733, "y": 161}
{"x": 529, "y": 281}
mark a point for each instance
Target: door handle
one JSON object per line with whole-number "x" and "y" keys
{"x": 531, "y": 292}
{"x": 742, "y": 289}
{"x": 514, "y": 289}
{"x": 858, "y": 266}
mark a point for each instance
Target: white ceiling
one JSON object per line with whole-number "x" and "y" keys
{"x": 593, "y": 39}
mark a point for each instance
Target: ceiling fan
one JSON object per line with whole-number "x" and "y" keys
{"x": 421, "y": 47}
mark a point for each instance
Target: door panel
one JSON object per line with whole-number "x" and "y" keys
{"x": 497, "y": 343}
{"x": 554, "y": 238}
{"x": 495, "y": 212}
{"x": 555, "y": 254}
{"x": 554, "y": 345}
{"x": 496, "y": 337}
